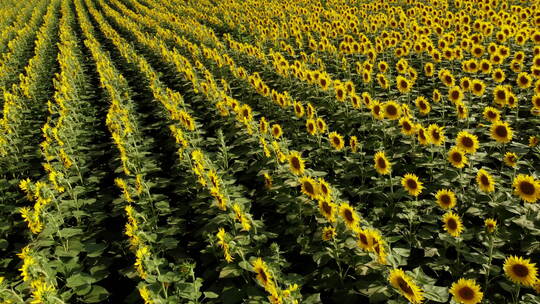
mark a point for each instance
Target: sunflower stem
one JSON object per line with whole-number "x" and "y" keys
{"x": 516, "y": 299}
{"x": 489, "y": 261}
{"x": 336, "y": 255}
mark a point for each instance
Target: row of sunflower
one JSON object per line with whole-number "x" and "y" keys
{"x": 24, "y": 97}
{"x": 187, "y": 134}
{"x": 525, "y": 182}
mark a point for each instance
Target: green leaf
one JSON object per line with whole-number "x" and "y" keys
{"x": 96, "y": 295}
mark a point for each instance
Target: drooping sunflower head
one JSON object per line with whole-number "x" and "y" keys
{"x": 457, "y": 157}
{"x": 467, "y": 142}
{"x": 446, "y": 199}
{"x": 501, "y": 132}
{"x": 510, "y": 159}
{"x": 296, "y": 163}
{"x": 382, "y": 165}
{"x": 392, "y": 110}
{"x": 466, "y": 291}
{"x": 490, "y": 224}
{"x": 512, "y": 100}
{"x": 349, "y": 216}
{"x": 485, "y": 181}
{"x": 423, "y": 135}
{"x": 404, "y": 284}
{"x": 520, "y": 270}
{"x": 491, "y": 114}
{"x": 436, "y": 134}
{"x": 298, "y": 109}
{"x": 309, "y": 187}
{"x": 411, "y": 183}
{"x": 452, "y": 224}
{"x": 336, "y": 140}
{"x": 527, "y": 188}
{"x": 353, "y": 143}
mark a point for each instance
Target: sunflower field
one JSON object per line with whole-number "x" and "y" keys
{"x": 248, "y": 151}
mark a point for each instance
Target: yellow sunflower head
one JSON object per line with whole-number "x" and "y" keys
{"x": 404, "y": 284}
{"x": 407, "y": 126}
{"x": 382, "y": 165}
{"x": 478, "y": 87}
{"x": 311, "y": 126}
{"x": 527, "y": 188}
{"x": 520, "y": 270}
{"x": 498, "y": 75}
{"x": 328, "y": 233}
{"x": 411, "y": 183}
{"x": 423, "y": 105}
{"x": 364, "y": 239}
{"x": 296, "y": 163}
{"x": 403, "y": 84}
{"x": 533, "y": 141}
{"x": 457, "y": 157}
{"x": 485, "y": 181}
{"x": 349, "y": 216}
{"x": 510, "y": 159}
{"x": 455, "y": 94}
{"x": 263, "y": 275}
{"x": 309, "y": 187}
{"x": 466, "y": 291}
{"x": 446, "y": 199}
{"x": 452, "y": 224}
{"x": 392, "y": 110}
{"x": 436, "y": 134}
{"x": 491, "y": 114}
{"x": 501, "y": 132}
{"x": 336, "y": 140}
{"x": 276, "y": 131}
{"x": 490, "y": 224}
{"x": 327, "y": 209}
{"x": 467, "y": 142}
{"x": 321, "y": 125}
{"x": 353, "y": 143}
{"x": 523, "y": 80}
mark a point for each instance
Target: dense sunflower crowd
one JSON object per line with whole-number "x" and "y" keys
{"x": 296, "y": 151}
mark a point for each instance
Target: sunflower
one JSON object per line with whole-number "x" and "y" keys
{"x": 378, "y": 247}
{"x": 350, "y": 217}
{"x": 490, "y": 225}
{"x": 498, "y": 75}
{"x": 382, "y": 81}
{"x": 478, "y": 87}
{"x": 523, "y": 80}
{"x": 403, "y": 84}
{"x": 327, "y": 209}
{"x": 423, "y": 135}
{"x": 436, "y": 96}
{"x": 462, "y": 110}
{"x": 501, "y": 132}
{"x": 309, "y": 186}
{"x": 411, "y": 183}
{"x": 452, "y": 224}
{"x": 429, "y": 69}
{"x": 512, "y": 100}
{"x": 310, "y": 111}
{"x": 436, "y": 134}
{"x": 376, "y": 110}
{"x": 477, "y": 50}
{"x": 263, "y": 275}
{"x": 336, "y": 140}
{"x": 276, "y": 131}
{"x": 527, "y": 188}
{"x": 520, "y": 270}
{"x": 510, "y": 159}
{"x": 340, "y": 92}
{"x": 382, "y": 165}
{"x": 382, "y": 66}
{"x": 329, "y": 233}
{"x": 455, "y": 95}
{"x": 467, "y": 142}
{"x": 423, "y": 105}
{"x": 392, "y": 110}
{"x": 485, "y": 66}
{"x": 465, "y": 84}
{"x": 536, "y": 101}
{"x": 499, "y": 95}
{"x": 263, "y": 125}
{"x": 491, "y": 114}
{"x": 457, "y": 157}
{"x": 311, "y": 126}
{"x": 321, "y": 125}
{"x": 296, "y": 163}
{"x": 446, "y": 77}
{"x": 446, "y": 198}
{"x": 466, "y": 291}
{"x": 298, "y": 109}
{"x": 366, "y": 99}
{"x": 485, "y": 181}
{"x": 404, "y": 284}
{"x": 364, "y": 239}
{"x": 533, "y": 141}
{"x": 356, "y": 102}
{"x": 407, "y": 126}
